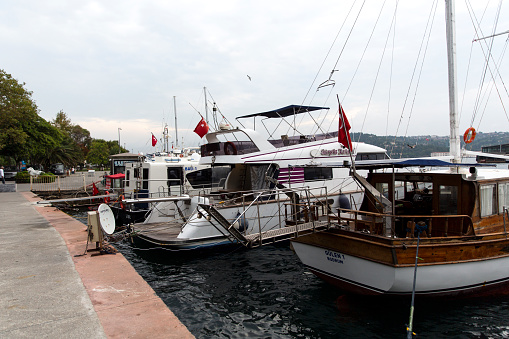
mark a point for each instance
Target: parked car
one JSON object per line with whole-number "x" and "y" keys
{"x": 10, "y": 172}
{"x": 57, "y": 169}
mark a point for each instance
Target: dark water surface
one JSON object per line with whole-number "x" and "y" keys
{"x": 267, "y": 293}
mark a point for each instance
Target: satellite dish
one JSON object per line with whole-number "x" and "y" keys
{"x": 106, "y": 219}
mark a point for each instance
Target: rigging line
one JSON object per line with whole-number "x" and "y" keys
{"x": 495, "y": 85}
{"x": 466, "y": 80}
{"x": 360, "y": 61}
{"x": 419, "y": 76}
{"x": 348, "y": 37}
{"x": 328, "y": 53}
{"x": 377, "y": 72}
{"x": 393, "y": 28}
{"x": 487, "y": 58}
{"x": 412, "y": 79}
{"x": 497, "y": 69}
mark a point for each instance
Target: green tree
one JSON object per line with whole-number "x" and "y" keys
{"x": 17, "y": 110}
{"x": 99, "y": 153}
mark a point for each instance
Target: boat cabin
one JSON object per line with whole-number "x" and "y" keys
{"x": 467, "y": 202}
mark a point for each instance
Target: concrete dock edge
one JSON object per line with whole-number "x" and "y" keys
{"x": 125, "y": 304}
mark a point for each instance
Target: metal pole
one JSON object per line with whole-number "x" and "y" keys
{"x": 411, "y": 320}
{"x": 175, "y": 111}
{"x": 454, "y": 141}
{"x": 206, "y": 110}
{"x": 119, "y": 129}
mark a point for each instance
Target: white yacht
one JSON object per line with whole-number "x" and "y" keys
{"x": 267, "y": 180}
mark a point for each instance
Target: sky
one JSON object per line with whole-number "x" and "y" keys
{"x": 119, "y": 68}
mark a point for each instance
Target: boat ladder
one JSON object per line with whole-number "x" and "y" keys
{"x": 234, "y": 234}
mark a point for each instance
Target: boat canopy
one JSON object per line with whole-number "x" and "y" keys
{"x": 284, "y": 112}
{"x": 115, "y": 176}
{"x": 400, "y": 163}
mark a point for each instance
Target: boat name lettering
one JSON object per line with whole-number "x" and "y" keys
{"x": 335, "y": 256}
{"x": 190, "y": 168}
{"x": 330, "y": 152}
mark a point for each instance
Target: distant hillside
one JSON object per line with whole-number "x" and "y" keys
{"x": 424, "y": 145}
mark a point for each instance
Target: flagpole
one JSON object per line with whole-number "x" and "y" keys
{"x": 349, "y": 140}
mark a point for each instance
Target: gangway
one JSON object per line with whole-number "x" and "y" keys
{"x": 260, "y": 238}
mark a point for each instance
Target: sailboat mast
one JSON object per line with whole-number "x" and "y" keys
{"x": 176, "y": 131}
{"x": 206, "y": 110}
{"x": 454, "y": 139}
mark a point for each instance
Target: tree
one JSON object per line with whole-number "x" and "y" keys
{"x": 77, "y": 134}
{"x": 99, "y": 153}
{"x": 17, "y": 111}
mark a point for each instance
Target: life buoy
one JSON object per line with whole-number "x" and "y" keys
{"x": 107, "y": 199}
{"x": 469, "y": 135}
{"x": 229, "y": 148}
{"x": 121, "y": 202}
{"x": 182, "y": 155}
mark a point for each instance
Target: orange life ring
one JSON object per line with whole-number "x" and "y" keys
{"x": 182, "y": 155}
{"x": 107, "y": 199}
{"x": 229, "y": 148}
{"x": 469, "y": 135}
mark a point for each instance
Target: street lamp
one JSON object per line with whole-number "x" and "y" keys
{"x": 119, "y": 129}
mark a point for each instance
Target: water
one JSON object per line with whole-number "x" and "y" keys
{"x": 267, "y": 293}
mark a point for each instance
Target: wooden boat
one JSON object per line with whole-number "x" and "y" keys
{"x": 450, "y": 224}
{"x": 456, "y": 219}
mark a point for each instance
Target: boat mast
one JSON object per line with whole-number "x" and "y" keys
{"x": 454, "y": 140}
{"x": 176, "y": 131}
{"x": 206, "y": 110}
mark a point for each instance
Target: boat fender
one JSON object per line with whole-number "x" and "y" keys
{"x": 344, "y": 202}
{"x": 121, "y": 201}
{"x": 107, "y": 199}
{"x": 242, "y": 223}
{"x": 229, "y": 148}
{"x": 469, "y": 135}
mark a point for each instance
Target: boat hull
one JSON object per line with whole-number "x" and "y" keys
{"x": 378, "y": 275}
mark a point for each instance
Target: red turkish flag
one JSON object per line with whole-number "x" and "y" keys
{"x": 95, "y": 190}
{"x": 154, "y": 140}
{"x": 344, "y": 127}
{"x": 202, "y": 128}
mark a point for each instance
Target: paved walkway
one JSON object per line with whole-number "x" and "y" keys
{"x": 47, "y": 292}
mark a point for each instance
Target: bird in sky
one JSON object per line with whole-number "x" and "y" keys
{"x": 249, "y": 78}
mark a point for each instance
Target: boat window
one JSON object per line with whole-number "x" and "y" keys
{"x": 174, "y": 176}
{"x": 208, "y": 177}
{"x": 371, "y": 156}
{"x": 448, "y": 200}
{"x": 127, "y": 177}
{"x": 488, "y": 200}
{"x": 317, "y": 173}
{"x": 503, "y": 196}
{"x": 145, "y": 179}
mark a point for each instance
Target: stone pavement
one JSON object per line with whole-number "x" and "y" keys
{"x": 47, "y": 292}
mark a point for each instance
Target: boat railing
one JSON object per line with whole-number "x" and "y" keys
{"x": 308, "y": 212}
{"x": 404, "y": 226}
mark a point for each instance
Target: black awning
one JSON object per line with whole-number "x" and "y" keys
{"x": 284, "y": 112}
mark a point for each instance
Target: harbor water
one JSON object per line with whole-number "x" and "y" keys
{"x": 267, "y": 293}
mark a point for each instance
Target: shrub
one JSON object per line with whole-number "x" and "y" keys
{"x": 24, "y": 177}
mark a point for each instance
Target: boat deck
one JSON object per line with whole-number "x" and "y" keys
{"x": 164, "y": 231}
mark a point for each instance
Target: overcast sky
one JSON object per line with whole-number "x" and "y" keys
{"x": 118, "y": 64}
